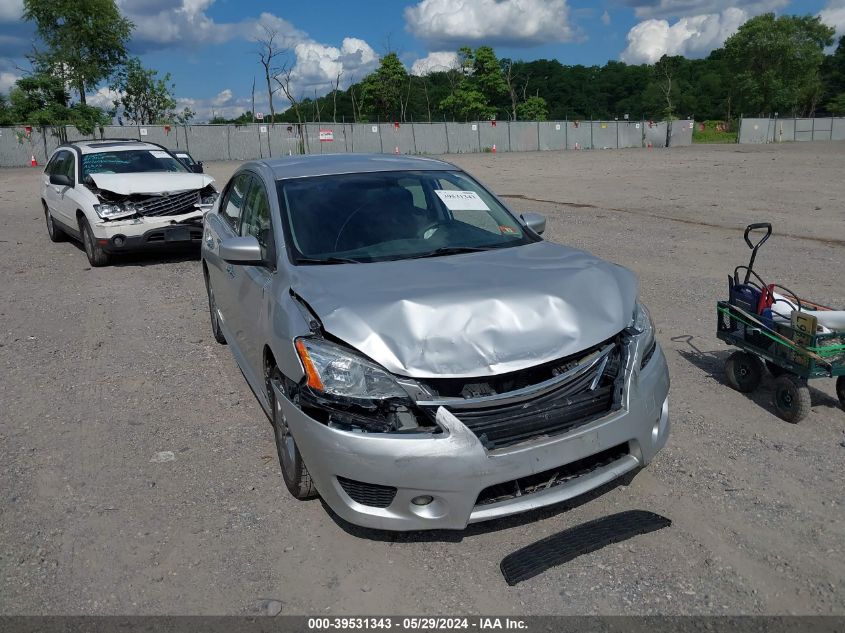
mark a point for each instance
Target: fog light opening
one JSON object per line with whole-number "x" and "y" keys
{"x": 118, "y": 240}
{"x": 422, "y": 500}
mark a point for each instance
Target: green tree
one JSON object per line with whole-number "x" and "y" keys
{"x": 487, "y": 74}
{"x": 533, "y": 109}
{"x": 41, "y": 99}
{"x": 468, "y": 103}
{"x": 382, "y": 91}
{"x": 85, "y": 39}
{"x": 837, "y": 105}
{"x": 144, "y": 97}
{"x": 777, "y": 62}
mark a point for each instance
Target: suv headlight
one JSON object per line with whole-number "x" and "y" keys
{"x": 643, "y": 327}
{"x": 112, "y": 211}
{"x": 336, "y": 371}
{"x": 209, "y": 198}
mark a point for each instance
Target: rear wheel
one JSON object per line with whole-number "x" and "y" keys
{"x": 55, "y": 233}
{"x": 792, "y": 398}
{"x": 744, "y": 371}
{"x": 840, "y": 390}
{"x": 294, "y": 472}
{"x": 96, "y": 255}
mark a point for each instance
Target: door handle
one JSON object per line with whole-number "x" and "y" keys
{"x": 231, "y": 270}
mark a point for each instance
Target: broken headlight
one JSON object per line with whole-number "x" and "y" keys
{"x": 209, "y": 197}
{"x": 336, "y": 371}
{"x": 112, "y": 211}
{"x": 643, "y": 328}
{"x": 349, "y": 392}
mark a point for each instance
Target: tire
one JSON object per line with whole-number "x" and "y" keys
{"x": 55, "y": 233}
{"x": 214, "y": 314}
{"x": 840, "y": 390}
{"x": 294, "y": 471}
{"x": 744, "y": 371}
{"x": 792, "y": 398}
{"x": 775, "y": 370}
{"x": 96, "y": 255}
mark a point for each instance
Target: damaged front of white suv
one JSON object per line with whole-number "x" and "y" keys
{"x": 140, "y": 210}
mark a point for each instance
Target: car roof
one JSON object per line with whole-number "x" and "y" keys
{"x": 111, "y": 145}
{"x": 334, "y": 164}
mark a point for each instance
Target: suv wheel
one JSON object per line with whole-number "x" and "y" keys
{"x": 96, "y": 255}
{"x": 294, "y": 472}
{"x": 55, "y": 233}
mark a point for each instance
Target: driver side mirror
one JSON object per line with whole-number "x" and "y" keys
{"x": 61, "y": 180}
{"x": 534, "y": 221}
{"x": 241, "y": 250}
{"x": 197, "y": 167}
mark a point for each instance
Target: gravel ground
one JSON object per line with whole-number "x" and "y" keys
{"x": 104, "y": 368}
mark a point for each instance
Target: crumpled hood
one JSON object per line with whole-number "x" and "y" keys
{"x": 152, "y": 183}
{"x": 476, "y": 314}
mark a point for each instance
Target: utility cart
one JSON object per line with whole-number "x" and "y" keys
{"x": 794, "y": 338}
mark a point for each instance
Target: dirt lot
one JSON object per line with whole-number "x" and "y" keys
{"x": 103, "y": 368}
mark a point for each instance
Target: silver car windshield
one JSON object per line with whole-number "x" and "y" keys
{"x": 130, "y": 162}
{"x": 382, "y": 216}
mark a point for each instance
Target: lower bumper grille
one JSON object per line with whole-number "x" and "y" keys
{"x": 550, "y": 478}
{"x": 373, "y": 495}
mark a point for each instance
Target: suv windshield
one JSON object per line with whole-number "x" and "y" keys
{"x": 130, "y": 161}
{"x": 393, "y": 215}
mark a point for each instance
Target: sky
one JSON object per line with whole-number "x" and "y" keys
{"x": 209, "y": 46}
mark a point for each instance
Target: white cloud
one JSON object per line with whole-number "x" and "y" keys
{"x": 7, "y": 80}
{"x": 687, "y": 8}
{"x": 434, "y": 62}
{"x": 318, "y": 65}
{"x": 506, "y": 22}
{"x": 103, "y": 98}
{"x": 224, "y": 97}
{"x": 11, "y": 10}
{"x": 605, "y": 18}
{"x": 692, "y": 36}
{"x": 834, "y": 15}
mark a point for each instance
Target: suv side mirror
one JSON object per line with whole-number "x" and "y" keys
{"x": 534, "y": 221}
{"x": 241, "y": 250}
{"x": 197, "y": 167}
{"x": 61, "y": 180}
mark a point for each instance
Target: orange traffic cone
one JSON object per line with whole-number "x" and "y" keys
{"x": 494, "y": 148}
{"x": 33, "y": 162}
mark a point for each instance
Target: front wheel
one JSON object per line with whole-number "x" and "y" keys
{"x": 294, "y": 472}
{"x": 792, "y": 398}
{"x": 96, "y": 255}
{"x": 744, "y": 371}
{"x": 840, "y": 390}
{"x": 55, "y": 233}
{"x": 215, "y": 314}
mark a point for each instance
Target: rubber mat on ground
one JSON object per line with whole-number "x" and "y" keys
{"x": 582, "y": 539}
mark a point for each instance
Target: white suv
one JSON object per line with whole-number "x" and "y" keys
{"x": 123, "y": 195}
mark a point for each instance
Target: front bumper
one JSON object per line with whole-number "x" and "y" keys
{"x": 136, "y": 234}
{"x": 454, "y": 467}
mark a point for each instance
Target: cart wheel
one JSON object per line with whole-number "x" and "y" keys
{"x": 840, "y": 390}
{"x": 775, "y": 370}
{"x": 792, "y": 398}
{"x": 744, "y": 371}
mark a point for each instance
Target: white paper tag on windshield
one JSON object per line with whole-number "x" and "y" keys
{"x": 461, "y": 200}
{"x": 159, "y": 154}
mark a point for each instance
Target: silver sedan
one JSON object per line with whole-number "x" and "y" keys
{"x": 427, "y": 360}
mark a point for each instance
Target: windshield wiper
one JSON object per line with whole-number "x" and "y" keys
{"x": 451, "y": 250}
{"x": 327, "y": 260}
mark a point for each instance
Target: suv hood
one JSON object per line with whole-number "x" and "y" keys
{"x": 151, "y": 183}
{"x": 471, "y": 315}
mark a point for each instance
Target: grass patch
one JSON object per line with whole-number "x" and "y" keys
{"x": 713, "y": 132}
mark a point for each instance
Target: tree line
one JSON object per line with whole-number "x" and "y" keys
{"x": 773, "y": 65}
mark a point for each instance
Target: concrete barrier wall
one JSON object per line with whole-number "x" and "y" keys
{"x": 795, "y": 129}
{"x": 247, "y": 142}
